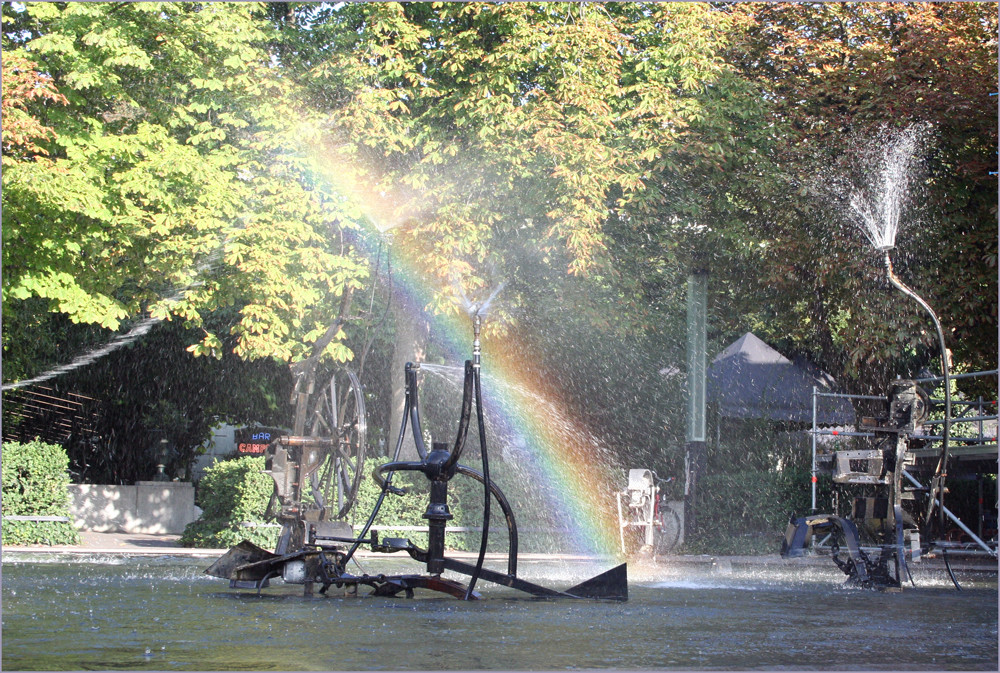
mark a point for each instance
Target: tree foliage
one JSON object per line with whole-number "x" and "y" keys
{"x": 841, "y": 79}
{"x": 232, "y": 167}
{"x": 174, "y": 186}
{"x": 520, "y": 127}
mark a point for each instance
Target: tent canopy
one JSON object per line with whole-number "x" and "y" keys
{"x": 749, "y": 379}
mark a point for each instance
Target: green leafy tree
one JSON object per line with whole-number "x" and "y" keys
{"x": 496, "y": 128}
{"x": 840, "y": 78}
{"x": 174, "y": 185}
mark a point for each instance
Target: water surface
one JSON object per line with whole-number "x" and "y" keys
{"x": 164, "y": 614}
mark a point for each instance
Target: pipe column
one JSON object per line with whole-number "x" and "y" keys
{"x": 697, "y": 322}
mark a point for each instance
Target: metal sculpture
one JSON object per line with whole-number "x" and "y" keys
{"x": 312, "y": 550}
{"x": 317, "y": 475}
{"x": 883, "y": 468}
{"x": 894, "y": 514}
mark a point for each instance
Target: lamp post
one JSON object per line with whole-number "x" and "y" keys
{"x": 162, "y": 455}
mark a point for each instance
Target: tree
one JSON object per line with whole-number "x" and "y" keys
{"x": 174, "y": 186}
{"x": 153, "y": 172}
{"x": 837, "y": 75}
{"x": 525, "y": 142}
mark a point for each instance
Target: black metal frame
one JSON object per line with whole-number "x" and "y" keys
{"x": 321, "y": 556}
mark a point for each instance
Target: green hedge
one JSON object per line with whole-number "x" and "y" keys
{"x": 231, "y": 493}
{"x": 36, "y": 483}
{"x": 237, "y": 491}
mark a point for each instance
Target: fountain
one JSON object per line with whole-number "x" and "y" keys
{"x": 315, "y": 548}
{"x": 877, "y": 207}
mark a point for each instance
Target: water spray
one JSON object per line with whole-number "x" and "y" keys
{"x": 140, "y": 329}
{"x": 941, "y": 472}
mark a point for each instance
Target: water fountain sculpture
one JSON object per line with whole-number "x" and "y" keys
{"x": 884, "y": 468}
{"x": 909, "y": 485}
{"x": 315, "y": 548}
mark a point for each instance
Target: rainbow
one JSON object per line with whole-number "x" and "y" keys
{"x": 564, "y": 455}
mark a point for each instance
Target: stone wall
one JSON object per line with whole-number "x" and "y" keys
{"x": 155, "y": 507}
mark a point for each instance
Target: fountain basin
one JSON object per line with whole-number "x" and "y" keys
{"x": 77, "y": 612}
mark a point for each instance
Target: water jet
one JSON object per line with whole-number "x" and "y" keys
{"x": 899, "y": 436}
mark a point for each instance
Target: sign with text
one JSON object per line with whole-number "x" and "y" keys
{"x": 254, "y": 441}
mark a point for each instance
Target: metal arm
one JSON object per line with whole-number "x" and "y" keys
{"x": 941, "y": 472}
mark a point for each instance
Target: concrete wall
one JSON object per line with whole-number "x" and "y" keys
{"x": 155, "y": 507}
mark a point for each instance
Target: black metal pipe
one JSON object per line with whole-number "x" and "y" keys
{"x": 486, "y": 483}
{"x": 384, "y": 483}
{"x": 463, "y": 420}
{"x": 507, "y": 511}
{"x": 437, "y": 515}
{"x": 411, "y": 392}
{"x": 951, "y": 573}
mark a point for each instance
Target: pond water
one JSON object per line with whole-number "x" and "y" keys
{"x": 162, "y": 613}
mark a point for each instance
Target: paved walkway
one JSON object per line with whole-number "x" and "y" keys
{"x": 134, "y": 544}
{"x": 140, "y": 544}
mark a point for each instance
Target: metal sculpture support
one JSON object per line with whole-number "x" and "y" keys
{"x": 312, "y": 553}
{"x": 317, "y": 475}
{"x": 894, "y": 515}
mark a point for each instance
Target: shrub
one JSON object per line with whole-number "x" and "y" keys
{"x": 231, "y": 493}
{"x": 747, "y": 512}
{"x": 408, "y": 509}
{"x": 36, "y": 483}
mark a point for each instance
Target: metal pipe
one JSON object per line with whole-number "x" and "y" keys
{"x": 941, "y": 472}
{"x": 812, "y": 478}
{"x": 486, "y": 472}
{"x": 508, "y": 514}
{"x": 852, "y": 397}
{"x": 967, "y": 375}
{"x": 954, "y": 518}
{"x": 411, "y": 391}
{"x": 463, "y": 421}
{"x": 386, "y": 484}
{"x": 966, "y": 419}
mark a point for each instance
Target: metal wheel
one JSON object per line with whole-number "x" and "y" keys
{"x": 668, "y": 532}
{"x": 340, "y": 416}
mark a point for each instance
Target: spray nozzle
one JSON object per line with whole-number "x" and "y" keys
{"x": 477, "y": 324}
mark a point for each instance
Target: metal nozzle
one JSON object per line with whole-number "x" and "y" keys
{"x": 477, "y": 324}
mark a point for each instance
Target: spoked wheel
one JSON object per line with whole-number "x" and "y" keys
{"x": 340, "y": 416}
{"x": 668, "y": 532}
